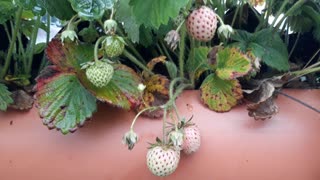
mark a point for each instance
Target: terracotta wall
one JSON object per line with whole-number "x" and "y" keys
{"x": 234, "y": 146}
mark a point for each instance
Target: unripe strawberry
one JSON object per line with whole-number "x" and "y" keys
{"x": 114, "y": 46}
{"x": 99, "y": 73}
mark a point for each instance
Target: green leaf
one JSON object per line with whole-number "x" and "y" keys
{"x": 232, "y": 64}
{"x": 266, "y": 45}
{"x": 7, "y": 10}
{"x": 172, "y": 69}
{"x": 91, "y": 9}
{"x": 59, "y": 8}
{"x": 198, "y": 63}
{"x": 69, "y": 56}
{"x": 146, "y": 38}
{"x": 124, "y": 14}
{"x": 62, "y": 101}
{"x": 5, "y": 97}
{"x": 220, "y": 95}
{"x": 153, "y": 13}
{"x": 122, "y": 91}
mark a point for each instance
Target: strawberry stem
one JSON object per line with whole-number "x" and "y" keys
{"x": 142, "y": 111}
{"x": 96, "y": 47}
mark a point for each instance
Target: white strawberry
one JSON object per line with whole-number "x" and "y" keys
{"x": 162, "y": 161}
{"x": 192, "y": 139}
{"x": 202, "y": 24}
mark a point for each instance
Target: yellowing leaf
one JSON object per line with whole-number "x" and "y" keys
{"x": 220, "y": 95}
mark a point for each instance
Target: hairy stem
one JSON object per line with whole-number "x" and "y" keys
{"x": 296, "y": 6}
{"x": 12, "y": 43}
{"x": 182, "y": 51}
{"x": 139, "y": 113}
{"x": 96, "y": 48}
{"x": 136, "y": 61}
{"x": 32, "y": 43}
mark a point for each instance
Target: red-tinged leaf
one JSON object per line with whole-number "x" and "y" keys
{"x": 62, "y": 101}
{"x": 231, "y": 63}
{"x": 122, "y": 91}
{"x": 69, "y": 56}
{"x": 220, "y": 95}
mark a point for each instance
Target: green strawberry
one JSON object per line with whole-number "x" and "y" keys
{"x": 99, "y": 73}
{"x": 114, "y": 46}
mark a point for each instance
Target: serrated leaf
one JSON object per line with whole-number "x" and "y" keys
{"x": 265, "y": 45}
{"x": 59, "y": 8}
{"x": 62, "y": 101}
{"x": 220, "y": 95}
{"x": 154, "y": 13}
{"x": 69, "y": 56}
{"x": 5, "y": 97}
{"x": 232, "y": 64}
{"x": 90, "y": 9}
{"x": 198, "y": 63}
{"x": 124, "y": 14}
{"x": 122, "y": 91}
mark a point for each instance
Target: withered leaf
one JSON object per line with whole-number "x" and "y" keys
{"x": 264, "y": 110}
{"x": 21, "y": 100}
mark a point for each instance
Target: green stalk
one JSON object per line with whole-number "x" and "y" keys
{"x": 269, "y": 10}
{"x": 164, "y": 122}
{"x": 136, "y": 61}
{"x": 12, "y": 43}
{"x": 96, "y": 48}
{"x": 32, "y": 43}
{"x": 43, "y": 61}
{"x": 191, "y": 56}
{"x": 7, "y": 31}
{"x": 315, "y": 54}
{"x": 182, "y": 51}
{"x": 139, "y": 113}
{"x": 279, "y": 12}
{"x": 131, "y": 47}
{"x": 23, "y": 53}
{"x": 305, "y": 72}
{"x": 166, "y": 51}
{"x": 160, "y": 50}
{"x": 289, "y": 12}
{"x": 294, "y": 45}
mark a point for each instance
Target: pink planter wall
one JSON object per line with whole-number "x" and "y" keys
{"x": 234, "y": 146}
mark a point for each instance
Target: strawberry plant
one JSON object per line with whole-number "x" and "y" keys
{"x": 141, "y": 55}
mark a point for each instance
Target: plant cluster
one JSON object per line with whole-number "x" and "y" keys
{"x": 140, "y": 55}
